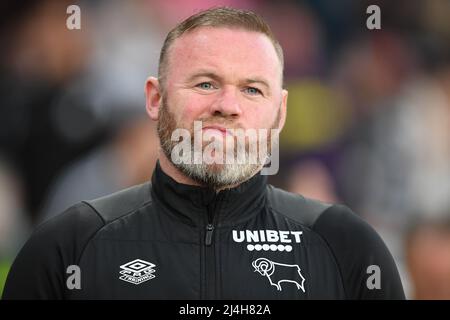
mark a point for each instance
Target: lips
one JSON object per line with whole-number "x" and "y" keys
{"x": 223, "y": 130}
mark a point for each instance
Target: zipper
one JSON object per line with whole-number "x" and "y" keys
{"x": 210, "y": 253}
{"x": 210, "y": 224}
{"x": 209, "y": 234}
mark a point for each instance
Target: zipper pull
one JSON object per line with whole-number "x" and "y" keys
{"x": 209, "y": 233}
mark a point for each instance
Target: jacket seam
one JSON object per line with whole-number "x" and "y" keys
{"x": 333, "y": 253}
{"x": 106, "y": 224}
{"x": 93, "y": 235}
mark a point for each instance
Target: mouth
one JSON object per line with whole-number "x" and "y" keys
{"x": 216, "y": 129}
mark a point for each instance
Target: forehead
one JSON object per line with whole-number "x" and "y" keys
{"x": 226, "y": 50}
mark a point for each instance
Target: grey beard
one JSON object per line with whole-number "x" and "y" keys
{"x": 219, "y": 176}
{"x": 216, "y": 176}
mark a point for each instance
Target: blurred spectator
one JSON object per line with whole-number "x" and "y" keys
{"x": 125, "y": 53}
{"x": 428, "y": 258}
{"x": 312, "y": 179}
{"x": 13, "y": 225}
{"x": 299, "y": 33}
{"x": 41, "y": 57}
{"x": 14, "y": 228}
{"x": 127, "y": 160}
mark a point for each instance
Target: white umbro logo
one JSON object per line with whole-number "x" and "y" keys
{"x": 137, "y": 271}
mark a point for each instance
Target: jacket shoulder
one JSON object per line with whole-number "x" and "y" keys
{"x": 355, "y": 245}
{"x": 294, "y": 206}
{"x": 361, "y": 255}
{"x": 38, "y": 270}
{"x": 120, "y": 203}
{"x": 60, "y": 242}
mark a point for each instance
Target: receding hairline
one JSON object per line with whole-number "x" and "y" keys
{"x": 220, "y": 18}
{"x": 232, "y": 28}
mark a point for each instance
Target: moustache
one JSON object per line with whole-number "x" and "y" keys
{"x": 219, "y": 122}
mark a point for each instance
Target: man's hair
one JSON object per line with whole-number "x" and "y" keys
{"x": 217, "y": 17}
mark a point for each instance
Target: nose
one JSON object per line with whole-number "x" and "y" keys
{"x": 227, "y": 104}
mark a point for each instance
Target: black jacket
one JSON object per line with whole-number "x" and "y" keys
{"x": 166, "y": 240}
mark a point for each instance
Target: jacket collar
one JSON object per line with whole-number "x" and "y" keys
{"x": 202, "y": 205}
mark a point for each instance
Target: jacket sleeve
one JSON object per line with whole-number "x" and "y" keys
{"x": 367, "y": 267}
{"x": 39, "y": 270}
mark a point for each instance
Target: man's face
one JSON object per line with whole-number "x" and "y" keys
{"x": 228, "y": 79}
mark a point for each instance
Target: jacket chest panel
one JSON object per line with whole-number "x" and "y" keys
{"x": 141, "y": 270}
{"x": 279, "y": 264}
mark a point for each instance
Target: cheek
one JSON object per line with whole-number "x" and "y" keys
{"x": 257, "y": 119}
{"x": 184, "y": 107}
{"x": 194, "y": 107}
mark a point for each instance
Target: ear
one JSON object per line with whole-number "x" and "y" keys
{"x": 153, "y": 97}
{"x": 283, "y": 109}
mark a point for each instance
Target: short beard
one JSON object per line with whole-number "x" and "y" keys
{"x": 215, "y": 176}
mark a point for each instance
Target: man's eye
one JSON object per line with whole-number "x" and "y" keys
{"x": 253, "y": 91}
{"x": 205, "y": 86}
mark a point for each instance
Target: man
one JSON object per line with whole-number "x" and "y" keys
{"x": 427, "y": 246}
{"x": 209, "y": 229}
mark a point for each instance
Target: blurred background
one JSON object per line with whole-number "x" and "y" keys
{"x": 368, "y": 114}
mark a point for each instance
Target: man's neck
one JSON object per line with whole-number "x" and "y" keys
{"x": 168, "y": 168}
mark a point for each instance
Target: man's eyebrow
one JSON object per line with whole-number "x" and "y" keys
{"x": 257, "y": 80}
{"x": 206, "y": 74}
{"x": 212, "y": 75}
